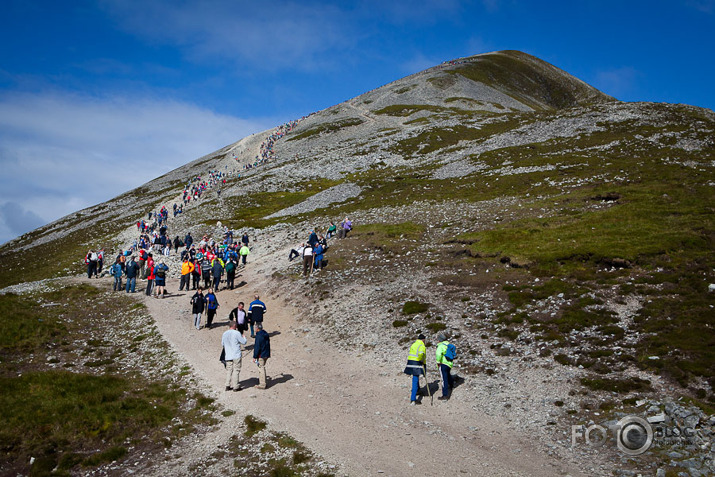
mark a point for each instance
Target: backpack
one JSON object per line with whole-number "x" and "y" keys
{"x": 451, "y": 352}
{"x": 161, "y": 272}
{"x": 211, "y": 302}
{"x": 230, "y": 266}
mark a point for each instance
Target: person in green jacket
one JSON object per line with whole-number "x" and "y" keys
{"x": 332, "y": 229}
{"x": 445, "y": 367}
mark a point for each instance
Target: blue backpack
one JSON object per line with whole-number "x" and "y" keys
{"x": 451, "y": 352}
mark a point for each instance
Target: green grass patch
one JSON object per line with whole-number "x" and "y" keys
{"x": 437, "y": 138}
{"x": 644, "y": 224}
{"x": 621, "y": 386}
{"x": 65, "y": 419}
{"x": 413, "y": 307}
{"x": 435, "y": 327}
{"x": 250, "y": 211}
{"x": 326, "y": 128}
{"x": 253, "y": 425}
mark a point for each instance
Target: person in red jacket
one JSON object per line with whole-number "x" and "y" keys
{"x": 150, "y": 277}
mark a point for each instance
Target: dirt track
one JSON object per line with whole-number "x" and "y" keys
{"x": 354, "y": 414}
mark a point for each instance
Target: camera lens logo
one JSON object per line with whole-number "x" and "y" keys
{"x": 634, "y": 435}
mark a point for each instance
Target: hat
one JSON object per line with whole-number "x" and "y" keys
{"x": 441, "y": 337}
{"x": 421, "y": 336}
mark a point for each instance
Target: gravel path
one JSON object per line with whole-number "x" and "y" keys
{"x": 344, "y": 407}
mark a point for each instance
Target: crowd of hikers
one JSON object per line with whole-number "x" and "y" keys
{"x": 206, "y": 264}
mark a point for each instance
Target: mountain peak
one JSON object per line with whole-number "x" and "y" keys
{"x": 498, "y": 82}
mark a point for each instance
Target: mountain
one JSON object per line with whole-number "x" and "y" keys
{"x": 523, "y": 211}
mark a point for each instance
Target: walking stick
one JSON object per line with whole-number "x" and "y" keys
{"x": 429, "y": 392}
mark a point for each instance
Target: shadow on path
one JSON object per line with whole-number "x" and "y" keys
{"x": 272, "y": 381}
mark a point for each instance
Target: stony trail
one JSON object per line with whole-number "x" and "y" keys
{"x": 352, "y": 412}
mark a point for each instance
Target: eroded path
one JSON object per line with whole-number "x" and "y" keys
{"x": 351, "y": 412}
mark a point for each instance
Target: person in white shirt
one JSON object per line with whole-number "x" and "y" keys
{"x": 307, "y": 260}
{"x": 232, "y": 340}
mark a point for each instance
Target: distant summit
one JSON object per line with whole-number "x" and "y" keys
{"x": 501, "y": 81}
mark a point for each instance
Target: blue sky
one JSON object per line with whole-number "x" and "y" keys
{"x": 98, "y": 97}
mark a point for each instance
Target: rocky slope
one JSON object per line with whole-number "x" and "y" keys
{"x": 550, "y": 229}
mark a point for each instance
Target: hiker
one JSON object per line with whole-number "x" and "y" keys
{"x": 296, "y": 252}
{"x": 198, "y": 302}
{"x": 212, "y": 306}
{"x": 239, "y": 315}
{"x": 142, "y": 262}
{"x": 196, "y": 274}
{"x": 257, "y": 308}
{"x": 231, "y": 340}
{"x": 131, "y": 270}
{"x": 347, "y": 227}
{"x": 332, "y": 229}
{"x": 230, "y": 273}
{"x": 160, "y": 280}
{"x": 186, "y": 269}
{"x": 91, "y": 261}
{"x": 318, "y": 254}
{"x": 244, "y": 238}
{"x": 261, "y": 353}
{"x": 324, "y": 242}
{"x": 188, "y": 240}
{"x": 205, "y": 268}
{"x": 307, "y": 259}
{"x": 100, "y": 261}
{"x": 122, "y": 258}
{"x": 243, "y": 252}
{"x": 312, "y": 238}
{"x": 116, "y": 270}
{"x": 150, "y": 277}
{"x": 416, "y": 366}
{"x": 445, "y": 351}
{"x": 217, "y": 271}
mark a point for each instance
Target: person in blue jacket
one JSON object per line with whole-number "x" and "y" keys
{"x": 318, "y": 254}
{"x": 261, "y": 353}
{"x": 256, "y": 308}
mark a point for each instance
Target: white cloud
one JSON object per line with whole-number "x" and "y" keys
{"x": 60, "y": 152}
{"x": 272, "y": 35}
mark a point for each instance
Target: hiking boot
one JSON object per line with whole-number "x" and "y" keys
{"x": 237, "y": 389}
{"x": 443, "y": 398}
{"x": 415, "y": 403}
{"x": 229, "y": 388}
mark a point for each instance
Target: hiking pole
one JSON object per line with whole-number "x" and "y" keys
{"x": 429, "y": 393}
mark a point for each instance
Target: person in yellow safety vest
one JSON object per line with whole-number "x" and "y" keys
{"x": 416, "y": 366}
{"x": 445, "y": 367}
{"x": 243, "y": 252}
